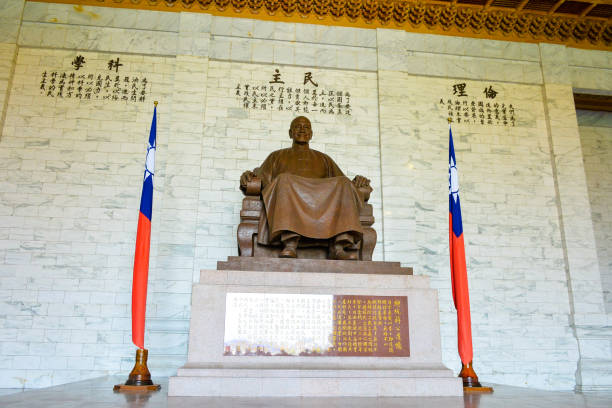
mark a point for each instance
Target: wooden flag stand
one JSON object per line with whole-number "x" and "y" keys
{"x": 139, "y": 379}
{"x": 470, "y": 380}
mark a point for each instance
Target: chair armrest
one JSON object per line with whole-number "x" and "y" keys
{"x": 253, "y": 187}
{"x": 364, "y": 192}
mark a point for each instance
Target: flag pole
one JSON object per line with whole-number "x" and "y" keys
{"x": 139, "y": 379}
{"x": 459, "y": 281}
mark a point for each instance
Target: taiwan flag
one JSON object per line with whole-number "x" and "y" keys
{"x": 143, "y": 240}
{"x": 459, "y": 279}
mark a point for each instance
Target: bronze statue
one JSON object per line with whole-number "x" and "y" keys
{"x": 308, "y": 200}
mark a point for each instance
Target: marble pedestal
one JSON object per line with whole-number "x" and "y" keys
{"x": 209, "y": 373}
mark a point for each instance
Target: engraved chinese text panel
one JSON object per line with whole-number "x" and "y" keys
{"x": 316, "y": 325}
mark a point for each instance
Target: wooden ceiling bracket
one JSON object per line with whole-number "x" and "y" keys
{"x": 565, "y": 22}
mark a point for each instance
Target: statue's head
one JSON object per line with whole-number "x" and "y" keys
{"x": 300, "y": 130}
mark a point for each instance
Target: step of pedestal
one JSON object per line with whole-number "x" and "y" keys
{"x": 294, "y": 383}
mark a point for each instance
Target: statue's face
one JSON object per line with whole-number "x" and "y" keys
{"x": 300, "y": 130}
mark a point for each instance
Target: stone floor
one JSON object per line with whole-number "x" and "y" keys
{"x": 99, "y": 393}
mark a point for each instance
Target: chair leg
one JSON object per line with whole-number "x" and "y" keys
{"x": 367, "y": 244}
{"x": 246, "y": 231}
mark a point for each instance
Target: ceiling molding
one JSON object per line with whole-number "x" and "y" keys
{"x": 579, "y": 24}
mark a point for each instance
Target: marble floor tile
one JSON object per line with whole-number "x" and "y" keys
{"x": 99, "y": 393}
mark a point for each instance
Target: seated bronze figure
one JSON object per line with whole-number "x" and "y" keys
{"x": 300, "y": 202}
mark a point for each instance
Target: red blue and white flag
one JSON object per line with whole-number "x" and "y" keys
{"x": 459, "y": 278}
{"x": 143, "y": 240}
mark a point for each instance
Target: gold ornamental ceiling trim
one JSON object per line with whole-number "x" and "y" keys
{"x": 579, "y": 24}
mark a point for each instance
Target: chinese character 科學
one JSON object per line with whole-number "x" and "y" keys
{"x": 78, "y": 62}
{"x": 114, "y": 64}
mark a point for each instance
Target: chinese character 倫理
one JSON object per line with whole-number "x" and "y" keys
{"x": 490, "y": 93}
{"x": 459, "y": 89}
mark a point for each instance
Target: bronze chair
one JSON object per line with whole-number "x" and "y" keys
{"x": 251, "y": 216}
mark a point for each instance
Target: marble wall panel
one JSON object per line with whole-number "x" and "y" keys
{"x": 71, "y": 190}
{"x": 554, "y": 63}
{"x": 470, "y": 47}
{"x": 274, "y": 51}
{"x": 430, "y": 55}
{"x": 7, "y": 63}
{"x": 596, "y": 144}
{"x": 513, "y": 247}
{"x": 590, "y": 70}
{"x": 10, "y": 19}
{"x": 292, "y": 32}
{"x": 589, "y": 58}
{"x": 591, "y": 79}
{"x": 109, "y": 39}
{"x": 101, "y": 16}
{"x": 579, "y": 240}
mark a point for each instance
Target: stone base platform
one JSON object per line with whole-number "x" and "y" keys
{"x": 209, "y": 372}
{"x": 248, "y": 263}
{"x": 242, "y": 382}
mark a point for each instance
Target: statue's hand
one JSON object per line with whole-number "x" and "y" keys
{"x": 246, "y": 177}
{"x": 361, "y": 181}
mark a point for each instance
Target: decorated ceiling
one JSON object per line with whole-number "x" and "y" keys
{"x": 581, "y": 24}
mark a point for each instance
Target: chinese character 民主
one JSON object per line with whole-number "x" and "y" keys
{"x": 276, "y": 77}
{"x": 308, "y": 78}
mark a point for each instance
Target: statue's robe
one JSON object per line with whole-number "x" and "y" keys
{"x": 306, "y": 193}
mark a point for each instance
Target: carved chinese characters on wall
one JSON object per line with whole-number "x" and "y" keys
{"x": 473, "y": 106}
{"x": 86, "y": 84}
{"x": 308, "y": 96}
{"x": 316, "y": 325}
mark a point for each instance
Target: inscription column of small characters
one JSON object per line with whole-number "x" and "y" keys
{"x": 52, "y": 84}
{"x": 268, "y": 326}
{"x": 322, "y": 333}
{"x": 392, "y": 319}
{"x": 376, "y": 318}
{"x": 253, "y": 307}
{"x": 238, "y": 304}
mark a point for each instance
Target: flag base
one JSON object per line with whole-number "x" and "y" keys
{"x": 470, "y": 380}
{"x": 139, "y": 379}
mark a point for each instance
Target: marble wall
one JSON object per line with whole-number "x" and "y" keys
{"x": 596, "y": 142}
{"x": 595, "y": 135}
{"x": 10, "y": 22}
{"x": 70, "y": 186}
{"x": 70, "y": 177}
{"x": 515, "y": 261}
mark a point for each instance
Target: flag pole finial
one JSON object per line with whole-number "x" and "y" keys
{"x": 155, "y": 103}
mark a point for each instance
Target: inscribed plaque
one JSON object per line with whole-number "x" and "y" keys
{"x": 265, "y": 324}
